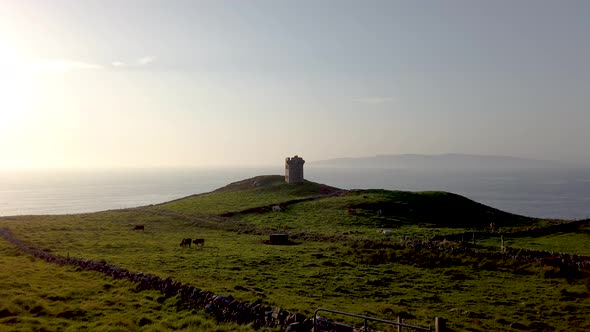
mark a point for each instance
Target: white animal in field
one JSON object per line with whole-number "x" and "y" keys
{"x": 276, "y": 208}
{"x": 385, "y": 231}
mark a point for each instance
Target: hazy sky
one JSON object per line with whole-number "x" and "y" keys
{"x": 203, "y": 83}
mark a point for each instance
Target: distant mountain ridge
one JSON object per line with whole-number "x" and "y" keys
{"x": 441, "y": 161}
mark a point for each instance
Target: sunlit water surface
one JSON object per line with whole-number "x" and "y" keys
{"x": 550, "y": 193}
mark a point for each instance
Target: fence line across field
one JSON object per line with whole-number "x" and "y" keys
{"x": 440, "y": 324}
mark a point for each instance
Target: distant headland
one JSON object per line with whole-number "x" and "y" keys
{"x": 441, "y": 161}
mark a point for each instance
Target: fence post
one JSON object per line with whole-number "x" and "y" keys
{"x": 440, "y": 324}
{"x": 399, "y": 321}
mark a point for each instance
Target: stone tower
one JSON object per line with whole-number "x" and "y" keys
{"x": 294, "y": 169}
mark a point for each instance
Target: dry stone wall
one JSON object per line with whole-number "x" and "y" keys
{"x": 223, "y": 308}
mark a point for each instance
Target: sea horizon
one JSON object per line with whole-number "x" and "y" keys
{"x": 556, "y": 193}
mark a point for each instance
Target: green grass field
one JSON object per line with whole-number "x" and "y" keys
{"x": 422, "y": 214}
{"x": 36, "y": 296}
{"x": 570, "y": 242}
{"x": 358, "y": 272}
{"x": 241, "y": 195}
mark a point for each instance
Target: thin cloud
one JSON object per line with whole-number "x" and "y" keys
{"x": 375, "y": 100}
{"x": 140, "y": 62}
{"x": 62, "y": 65}
{"x": 146, "y": 60}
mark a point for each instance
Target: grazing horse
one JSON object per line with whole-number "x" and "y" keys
{"x": 138, "y": 228}
{"x": 185, "y": 242}
{"x": 199, "y": 241}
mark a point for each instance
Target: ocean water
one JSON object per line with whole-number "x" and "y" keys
{"x": 75, "y": 191}
{"x": 548, "y": 193}
{"x": 562, "y": 193}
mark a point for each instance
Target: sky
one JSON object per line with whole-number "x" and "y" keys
{"x": 142, "y": 83}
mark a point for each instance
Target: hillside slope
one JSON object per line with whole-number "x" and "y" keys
{"x": 246, "y": 194}
{"x": 416, "y": 214}
{"x": 250, "y": 200}
{"x": 439, "y": 208}
{"x": 276, "y": 184}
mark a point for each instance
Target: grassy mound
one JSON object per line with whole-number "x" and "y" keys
{"x": 441, "y": 209}
{"x": 246, "y": 194}
{"x": 416, "y": 214}
{"x": 420, "y": 214}
{"x": 276, "y": 184}
{"x": 356, "y": 270}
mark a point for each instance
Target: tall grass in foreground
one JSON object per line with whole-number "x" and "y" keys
{"x": 37, "y": 296}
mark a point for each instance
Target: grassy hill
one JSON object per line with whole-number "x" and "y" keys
{"x": 417, "y": 214}
{"x": 421, "y": 214}
{"x": 251, "y": 193}
{"x": 346, "y": 265}
{"x": 437, "y": 208}
{"x": 276, "y": 184}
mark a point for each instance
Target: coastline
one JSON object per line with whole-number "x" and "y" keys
{"x": 552, "y": 193}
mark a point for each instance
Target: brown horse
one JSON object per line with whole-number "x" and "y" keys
{"x": 199, "y": 241}
{"x": 185, "y": 242}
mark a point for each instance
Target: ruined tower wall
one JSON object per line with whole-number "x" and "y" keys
{"x": 294, "y": 169}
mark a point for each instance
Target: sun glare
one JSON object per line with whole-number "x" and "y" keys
{"x": 16, "y": 84}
